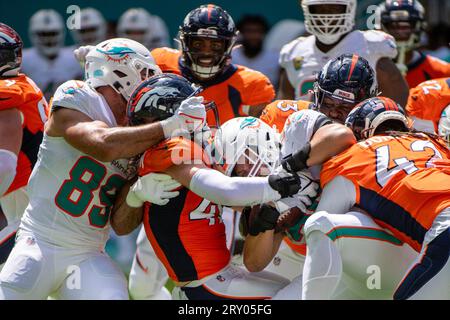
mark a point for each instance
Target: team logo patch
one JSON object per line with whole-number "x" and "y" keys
{"x": 220, "y": 278}
{"x": 117, "y": 54}
{"x": 298, "y": 63}
{"x": 277, "y": 261}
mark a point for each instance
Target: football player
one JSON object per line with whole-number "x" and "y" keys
{"x": 187, "y": 233}
{"x": 83, "y": 161}
{"x": 92, "y": 30}
{"x": 331, "y": 23}
{"x": 382, "y": 175}
{"x": 48, "y": 62}
{"x": 207, "y": 36}
{"x": 429, "y": 107}
{"x": 139, "y": 25}
{"x": 405, "y": 21}
{"x": 341, "y": 84}
{"x": 23, "y": 111}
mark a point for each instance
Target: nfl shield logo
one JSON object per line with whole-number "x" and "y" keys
{"x": 298, "y": 62}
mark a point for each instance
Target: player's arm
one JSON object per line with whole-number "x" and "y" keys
{"x": 285, "y": 89}
{"x": 391, "y": 83}
{"x": 328, "y": 141}
{"x": 98, "y": 140}
{"x": 10, "y": 142}
{"x": 255, "y": 111}
{"x": 127, "y": 211}
{"x": 259, "y": 250}
{"x": 233, "y": 191}
{"x": 125, "y": 218}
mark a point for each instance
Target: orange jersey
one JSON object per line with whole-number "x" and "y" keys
{"x": 188, "y": 234}
{"x": 276, "y": 113}
{"x": 22, "y": 93}
{"x": 429, "y": 99}
{"x": 234, "y": 91}
{"x": 426, "y": 68}
{"x": 402, "y": 182}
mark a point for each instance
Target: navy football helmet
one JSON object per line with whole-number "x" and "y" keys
{"x": 158, "y": 97}
{"x": 375, "y": 116}
{"x": 10, "y": 51}
{"x": 342, "y": 83}
{"x": 404, "y": 20}
{"x": 208, "y": 22}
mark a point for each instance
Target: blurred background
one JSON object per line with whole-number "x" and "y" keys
{"x": 17, "y": 14}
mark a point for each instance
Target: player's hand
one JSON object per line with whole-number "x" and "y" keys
{"x": 155, "y": 188}
{"x": 190, "y": 117}
{"x": 286, "y": 183}
{"x": 81, "y": 53}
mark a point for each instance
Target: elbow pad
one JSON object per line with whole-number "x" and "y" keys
{"x": 8, "y": 165}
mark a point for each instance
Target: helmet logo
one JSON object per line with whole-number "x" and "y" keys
{"x": 207, "y": 32}
{"x": 344, "y": 94}
{"x": 117, "y": 54}
{"x": 250, "y": 123}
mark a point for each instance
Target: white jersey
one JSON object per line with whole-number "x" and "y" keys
{"x": 70, "y": 192}
{"x": 50, "y": 74}
{"x": 302, "y": 60}
{"x": 298, "y": 130}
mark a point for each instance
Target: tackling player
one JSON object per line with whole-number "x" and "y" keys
{"x": 83, "y": 161}
{"x": 188, "y": 234}
{"x": 382, "y": 174}
{"x": 405, "y": 21}
{"x": 23, "y": 111}
{"x": 331, "y": 23}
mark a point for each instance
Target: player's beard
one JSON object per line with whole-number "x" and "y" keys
{"x": 252, "y": 50}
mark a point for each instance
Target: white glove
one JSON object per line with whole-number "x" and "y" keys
{"x": 190, "y": 117}
{"x": 155, "y": 188}
{"x": 81, "y": 53}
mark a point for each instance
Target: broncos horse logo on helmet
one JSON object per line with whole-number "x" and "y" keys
{"x": 158, "y": 97}
{"x": 376, "y": 115}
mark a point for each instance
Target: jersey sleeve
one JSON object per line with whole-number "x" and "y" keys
{"x": 72, "y": 95}
{"x": 171, "y": 152}
{"x": 300, "y": 128}
{"x": 257, "y": 88}
{"x": 428, "y": 99}
{"x": 285, "y": 57}
{"x": 11, "y": 95}
{"x": 380, "y": 44}
{"x": 167, "y": 59}
{"x": 440, "y": 68}
{"x": 276, "y": 113}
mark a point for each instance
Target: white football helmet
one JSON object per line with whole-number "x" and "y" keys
{"x": 444, "y": 125}
{"x": 328, "y": 28}
{"x": 92, "y": 29}
{"x": 137, "y": 24}
{"x": 47, "y": 32}
{"x": 119, "y": 63}
{"x": 247, "y": 140}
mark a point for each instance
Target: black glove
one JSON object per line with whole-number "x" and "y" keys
{"x": 296, "y": 161}
{"x": 262, "y": 219}
{"x": 287, "y": 184}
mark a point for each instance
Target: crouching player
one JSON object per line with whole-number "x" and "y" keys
{"x": 401, "y": 180}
